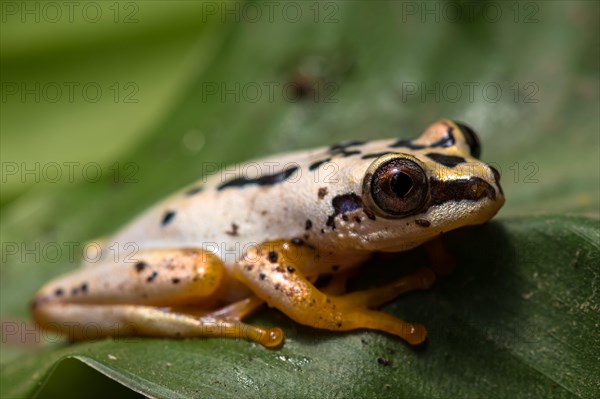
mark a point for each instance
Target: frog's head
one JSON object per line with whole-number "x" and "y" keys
{"x": 429, "y": 186}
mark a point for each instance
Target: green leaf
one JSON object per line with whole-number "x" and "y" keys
{"x": 516, "y": 319}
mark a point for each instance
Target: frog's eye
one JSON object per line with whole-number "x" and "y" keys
{"x": 471, "y": 139}
{"x": 397, "y": 187}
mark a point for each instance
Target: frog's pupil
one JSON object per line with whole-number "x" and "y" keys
{"x": 401, "y": 184}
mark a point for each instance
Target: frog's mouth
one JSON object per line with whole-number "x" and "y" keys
{"x": 438, "y": 219}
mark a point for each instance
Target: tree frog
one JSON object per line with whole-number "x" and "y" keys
{"x": 265, "y": 231}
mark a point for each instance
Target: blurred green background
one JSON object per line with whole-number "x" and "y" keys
{"x": 109, "y": 106}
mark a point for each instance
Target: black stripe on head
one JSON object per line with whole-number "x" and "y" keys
{"x": 375, "y": 155}
{"x": 407, "y": 144}
{"x": 446, "y": 160}
{"x": 267, "y": 180}
{"x": 345, "y": 145}
{"x": 472, "y": 189}
{"x": 471, "y": 139}
{"x": 447, "y": 141}
{"x": 342, "y": 148}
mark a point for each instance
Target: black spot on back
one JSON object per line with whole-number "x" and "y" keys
{"x": 193, "y": 191}
{"x": 234, "y": 230}
{"x": 167, "y": 218}
{"x": 140, "y": 266}
{"x": 308, "y": 224}
{"x": 315, "y": 165}
{"x": 273, "y": 257}
{"x": 446, "y": 160}
{"x": 266, "y": 180}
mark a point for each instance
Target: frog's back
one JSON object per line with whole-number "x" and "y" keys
{"x": 287, "y": 196}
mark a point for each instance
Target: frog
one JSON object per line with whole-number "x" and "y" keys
{"x": 265, "y": 231}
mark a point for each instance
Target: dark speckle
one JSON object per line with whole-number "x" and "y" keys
{"x": 422, "y": 222}
{"x": 167, "y": 218}
{"x": 152, "y": 277}
{"x": 84, "y": 288}
{"x": 59, "y": 292}
{"x": 273, "y": 257}
{"x": 290, "y": 269}
{"x": 140, "y": 266}
{"x": 74, "y": 291}
{"x": 308, "y": 224}
{"x": 335, "y": 268}
{"x": 383, "y": 361}
{"x": 234, "y": 230}
{"x": 262, "y": 276}
{"x": 322, "y": 192}
{"x": 175, "y": 280}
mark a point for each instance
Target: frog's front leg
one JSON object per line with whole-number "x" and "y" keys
{"x": 274, "y": 272}
{"x": 163, "y": 293}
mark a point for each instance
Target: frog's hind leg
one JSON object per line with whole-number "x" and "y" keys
{"x": 88, "y": 322}
{"x": 148, "y": 295}
{"x": 274, "y": 272}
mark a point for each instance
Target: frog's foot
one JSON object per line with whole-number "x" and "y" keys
{"x": 441, "y": 261}
{"x": 136, "y": 320}
{"x": 274, "y": 272}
